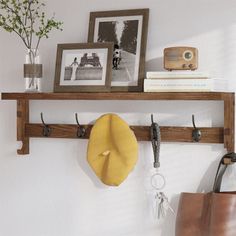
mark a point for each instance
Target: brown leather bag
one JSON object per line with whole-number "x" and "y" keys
{"x": 208, "y": 214}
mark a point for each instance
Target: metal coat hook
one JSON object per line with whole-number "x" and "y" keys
{"x": 81, "y": 130}
{"x": 196, "y": 134}
{"x": 156, "y": 140}
{"x": 46, "y": 128}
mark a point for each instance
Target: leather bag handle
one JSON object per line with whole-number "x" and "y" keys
{"x": 227, "y": 159}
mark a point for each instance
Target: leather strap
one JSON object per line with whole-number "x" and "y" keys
{"x": 228, "y": 158}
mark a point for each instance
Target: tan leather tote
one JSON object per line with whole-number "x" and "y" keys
{"x": 208, "y": 214}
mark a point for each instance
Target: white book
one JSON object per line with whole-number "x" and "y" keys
{"x": 177, "y": 74}
{"x": 216, "y": 85}
{"x": 178, "y": 85}
{"x": 221, "y": 85}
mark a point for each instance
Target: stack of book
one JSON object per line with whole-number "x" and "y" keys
{"x": 178, "y": 81}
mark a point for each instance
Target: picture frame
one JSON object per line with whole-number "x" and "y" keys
{"x": 127, "y": 29}
{"x": 83, "y": 67}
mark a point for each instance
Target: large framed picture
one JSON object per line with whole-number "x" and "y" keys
{"x": 127, "y": 29}
{"x": 83, "y": 67}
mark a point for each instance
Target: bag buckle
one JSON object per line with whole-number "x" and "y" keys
{"x": 229, "y": 158}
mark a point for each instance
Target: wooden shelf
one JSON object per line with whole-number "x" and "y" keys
{"x": 117, "y": 96}
{"x": 169, "y": 134}
{"x": 26, "y": 130}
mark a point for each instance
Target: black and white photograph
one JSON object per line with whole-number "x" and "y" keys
{"x": 83, "y": 66}
{"x": 126, "y": 32}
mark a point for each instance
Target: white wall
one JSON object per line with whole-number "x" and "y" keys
{"x": 52, "y": 191}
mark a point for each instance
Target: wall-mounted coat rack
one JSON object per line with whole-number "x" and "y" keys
{"x": 26, "y": 130}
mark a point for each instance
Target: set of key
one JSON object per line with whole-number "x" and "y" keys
{"x": 162, "y": 205}
{"x": 162, "y": 202}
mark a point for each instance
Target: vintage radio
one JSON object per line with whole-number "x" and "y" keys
{"x": 180, "y": 58}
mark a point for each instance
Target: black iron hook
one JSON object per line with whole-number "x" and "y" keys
{"x": 196, "y": 134}
{"x": 156, "y": 140}
{"x": 81, "y": 130}
{"x": 46, "y": 128}
{"x": 152, "y": 118}
{"x": 153, "y": 129}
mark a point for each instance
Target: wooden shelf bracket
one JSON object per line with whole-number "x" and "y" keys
{"x": 229, "y": 122}
{"x": 22, "y": 120}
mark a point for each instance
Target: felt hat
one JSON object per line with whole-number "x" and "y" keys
{"x": 112, "y": 149}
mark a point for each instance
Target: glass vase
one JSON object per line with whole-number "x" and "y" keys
{"x": 33, "y": 71}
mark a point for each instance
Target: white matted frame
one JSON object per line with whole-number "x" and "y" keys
{"x": 83, "y": 67}
{"x": 127, "y": 29}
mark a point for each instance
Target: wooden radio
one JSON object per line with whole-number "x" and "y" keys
{"x": 180, "y": 58}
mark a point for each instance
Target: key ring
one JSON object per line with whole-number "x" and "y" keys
{"x": 154, "y": 181}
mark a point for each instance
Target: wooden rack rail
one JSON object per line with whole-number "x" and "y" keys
{"x": 26, "y": 130}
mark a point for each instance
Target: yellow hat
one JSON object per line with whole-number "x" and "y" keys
{"x": 112, "y": 149}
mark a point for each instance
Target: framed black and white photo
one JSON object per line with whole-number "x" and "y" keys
{"x": 127, "y": 29}
{"x": 83, "y": 67}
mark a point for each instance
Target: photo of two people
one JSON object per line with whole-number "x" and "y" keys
{"x": 85, "y": 67}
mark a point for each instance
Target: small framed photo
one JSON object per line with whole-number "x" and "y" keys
{"x": 127, "y": 29}
{"x": 83, "y": 67}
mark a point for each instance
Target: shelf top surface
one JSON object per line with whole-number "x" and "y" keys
{"x": 119, "y": 96}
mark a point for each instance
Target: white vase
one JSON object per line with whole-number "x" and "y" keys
{"x": 32, "y": 71}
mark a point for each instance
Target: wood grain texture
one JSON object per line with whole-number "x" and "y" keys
{"x": 179, "y": 62}
{"x": 22, "y": 119}
{"x": 142, "y": 133}
{"x": 225, "y": 135}
{"x": 229, "y": 122}
{"x": 119, "y": 96}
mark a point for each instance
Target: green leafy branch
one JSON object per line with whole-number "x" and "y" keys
{"x": 27, "y": 19}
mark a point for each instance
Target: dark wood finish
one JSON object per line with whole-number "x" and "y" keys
{"x": 83, "y": 88}
{"x": 22, "y": 119}
{"x": 229, "y": 122}
{"x": 217, "y": 96}
{"x": 25, "y": 130}
{"x": 142, "y": 133}
{"x": 133, "y": 12}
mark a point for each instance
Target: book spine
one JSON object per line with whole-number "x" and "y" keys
{"x": 149, "y": 90}
{"x": 178, "y": 77}
{"x": 167, "y": 75}
{"x": 177, "y": 81}
{"x": 178, "y": 85}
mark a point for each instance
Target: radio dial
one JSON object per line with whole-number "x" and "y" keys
{"x": 188, "y": 55}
